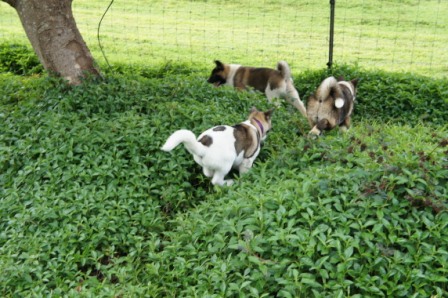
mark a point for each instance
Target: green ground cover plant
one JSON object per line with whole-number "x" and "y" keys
{"x": 91, "y": 207}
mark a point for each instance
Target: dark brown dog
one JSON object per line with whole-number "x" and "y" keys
{"x": 274, "y": 83}
{"x": 331, "y": 105}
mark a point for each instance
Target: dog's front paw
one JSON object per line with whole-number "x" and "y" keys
{"x": 277, "y": 104}
{"x": 245, "y": 166}
{"x": 229, "y": 182}
{"x": 343, "y": 128}
{"x": 315, "y": 132}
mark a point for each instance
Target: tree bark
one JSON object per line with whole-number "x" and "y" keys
{"x": 54, "y": 36}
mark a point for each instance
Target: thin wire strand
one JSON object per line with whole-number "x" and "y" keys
{"x": 98, "y": 33}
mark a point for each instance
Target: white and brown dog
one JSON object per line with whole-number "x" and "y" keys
{"x": 331, "y": 105}
{"x": 274, "y": 83}
{"x": 221, "y": 148}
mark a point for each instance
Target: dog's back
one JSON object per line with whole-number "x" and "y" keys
{"x": 220, "y": 146}
{"x": 257, "y": 78}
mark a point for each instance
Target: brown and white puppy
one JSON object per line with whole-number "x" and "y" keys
{"x": 221, "y": 148}
{"x": 274, "y": 83}
{"x": 331, "y": 105}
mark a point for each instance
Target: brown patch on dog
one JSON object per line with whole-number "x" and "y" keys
{"x": 219, "y": 128}
{"x": 323, "y": 124}
{"x": 255, "y": 77}
{"x": 258, "y": 78}
{"x": 245, "y": 140}
{"x": 206, "y": 141}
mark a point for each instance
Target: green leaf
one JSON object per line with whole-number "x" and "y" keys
{"x": 348, "y": 252}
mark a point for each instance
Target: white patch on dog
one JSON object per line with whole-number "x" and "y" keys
{"x": 339, "y": 103}
{"x": 328, "y": 83}
{"x": 275, "y": 93}
{"x": 232, "y": 72}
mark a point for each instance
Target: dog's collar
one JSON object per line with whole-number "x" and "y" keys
{"x": 259, "y": 125}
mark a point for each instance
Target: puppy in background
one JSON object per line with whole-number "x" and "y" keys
{"x": 331, "y": 105}
{"x": 221, "y": 148}
{"x": 274, "y": 83}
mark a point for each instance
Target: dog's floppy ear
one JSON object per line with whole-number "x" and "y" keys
{"x": 268, "y": 114}
{"x": 253, "y": 109}
{"x": 219, "y": 65}
{"x": 354, "y": 82}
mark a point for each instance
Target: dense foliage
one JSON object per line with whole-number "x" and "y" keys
{"x": 90, "y": 205}
{"x": 18, "y": 59}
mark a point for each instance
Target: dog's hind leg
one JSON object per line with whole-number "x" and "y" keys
{"x": 292, "y": 96}
{"x": 207, "y": 172}
{"x": 298, "y": 104}
{"x": 218, "y": 179}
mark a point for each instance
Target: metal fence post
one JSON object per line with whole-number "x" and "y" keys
{"x": 330, "y": 51}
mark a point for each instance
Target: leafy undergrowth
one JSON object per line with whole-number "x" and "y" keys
{"x": 19, "y": 59}
{"x": 90, "y": 205}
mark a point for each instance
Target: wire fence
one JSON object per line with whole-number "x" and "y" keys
{"x": 393, "y": 35}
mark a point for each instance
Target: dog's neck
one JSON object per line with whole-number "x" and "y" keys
{"x": 232, "y": 72}
{"x": 259, "y": 125}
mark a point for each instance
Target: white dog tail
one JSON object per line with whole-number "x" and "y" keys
{"x": 326, "y": 87}
{"x": 186, "y": 137}
{"x": 330, "y": 86}
{"x": 284, "y": 69}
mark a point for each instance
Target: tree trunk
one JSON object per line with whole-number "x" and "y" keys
{"x": 52, "y": 31}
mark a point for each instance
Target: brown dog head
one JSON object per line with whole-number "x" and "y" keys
{"x": 331, "y": 105}
{"x": 219, "y": 74}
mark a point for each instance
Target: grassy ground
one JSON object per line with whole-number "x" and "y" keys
{"x": 91, "y": 207}
{"x": 391, "y": 35}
